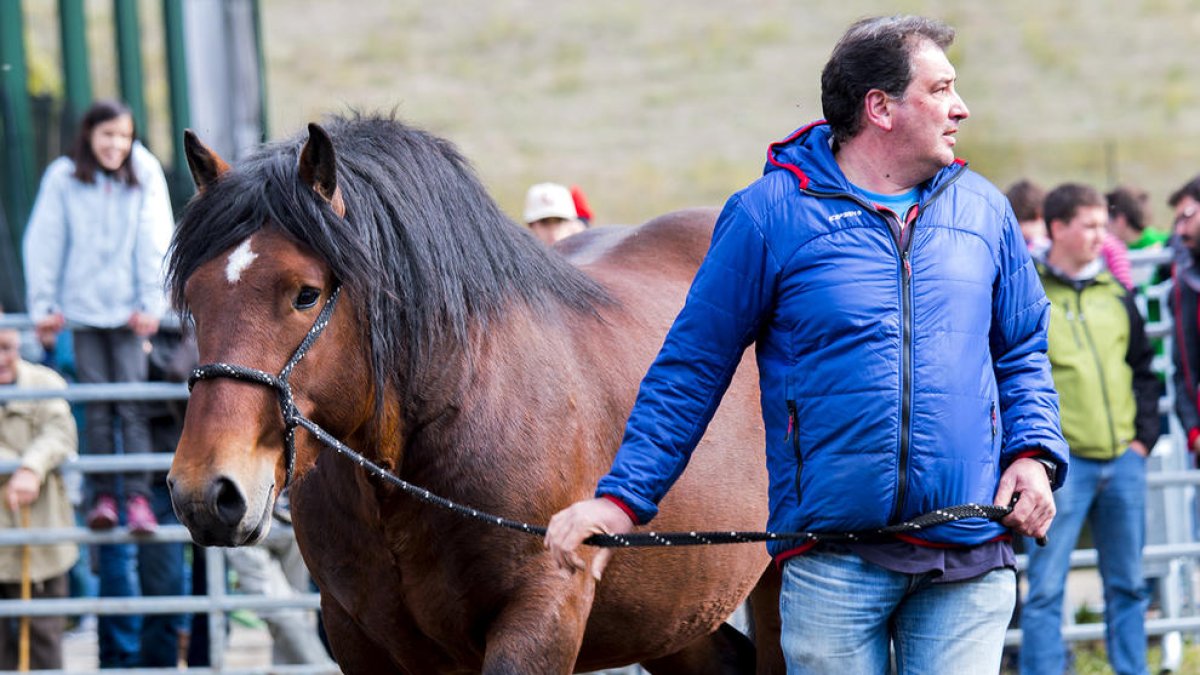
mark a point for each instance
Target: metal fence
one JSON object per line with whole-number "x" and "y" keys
{"x": 1170, "y": 555}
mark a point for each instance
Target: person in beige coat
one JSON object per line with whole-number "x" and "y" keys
{"x": 41, "y": 434}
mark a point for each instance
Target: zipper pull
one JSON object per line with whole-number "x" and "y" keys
{"x": 907, "y": 265}
{"x": 791, "y": 407}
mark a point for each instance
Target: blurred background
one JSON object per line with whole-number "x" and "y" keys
{"x": 648, "y": 106}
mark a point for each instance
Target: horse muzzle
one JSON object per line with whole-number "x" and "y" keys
{"x": 220, "y": 513}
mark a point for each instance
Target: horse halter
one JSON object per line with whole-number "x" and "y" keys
{"x": 287, "y": 403}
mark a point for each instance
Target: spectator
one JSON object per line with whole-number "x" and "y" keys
{"x": 899, "y": 331}
{"x": 94, "y": 249}
{"x": 1128, "y": 218}
{"x": 550, "y": 213}
{"x": 1101, "y": 361}
{"x": 41, "y": 435}
{"x": 1026, "y": 199}
{"x": 1183, "y": 303}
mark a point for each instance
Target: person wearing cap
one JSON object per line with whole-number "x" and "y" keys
{"x": 550, "y": 213}
{"x": 900, "y": 333}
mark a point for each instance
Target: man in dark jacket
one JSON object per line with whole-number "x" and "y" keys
{"x": 1185, "y": 297}
{"x": 1101, "y": 361}
{"x": 900, "y": 332}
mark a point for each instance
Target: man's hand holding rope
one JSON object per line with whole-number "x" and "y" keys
{"x": 1033, "y": 512}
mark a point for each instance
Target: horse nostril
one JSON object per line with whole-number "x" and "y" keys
{"x": 227, "y": 502}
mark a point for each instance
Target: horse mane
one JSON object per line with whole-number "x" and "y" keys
{"x": 422, "y": 246}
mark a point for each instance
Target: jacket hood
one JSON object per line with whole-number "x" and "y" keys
{"x": 807, "y": 153}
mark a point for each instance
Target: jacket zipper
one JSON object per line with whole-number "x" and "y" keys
{"x": 905, "y": 270}
{"x": 793, "y": 434}
{"x": 1112, "y": 431}
{"x": 906, "y": 320}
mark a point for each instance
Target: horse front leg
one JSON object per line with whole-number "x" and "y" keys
{"x": 541, "y": 630}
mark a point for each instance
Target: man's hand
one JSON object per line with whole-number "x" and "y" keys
{"x": 142, "y": 324}
{"x": 1139, "y": 448}
{"x": 569, "y": 527}
{"x": 48, "y": 327}
{"x": 22, "y": 489}
{"x": 1033, "y": 512}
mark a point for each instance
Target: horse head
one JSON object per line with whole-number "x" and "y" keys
{"x": 253, "y": 304}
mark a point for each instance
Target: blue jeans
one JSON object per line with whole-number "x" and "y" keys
{"x": 130, "y": 570}
{"x": 1111, "y": 498}
{"x": 841, "y": 614}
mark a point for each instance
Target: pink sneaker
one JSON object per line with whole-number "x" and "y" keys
{"x": 139, "y": 516}
{"x": 103, "y": 515}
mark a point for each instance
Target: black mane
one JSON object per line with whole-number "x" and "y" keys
{"x": 423, "y": 246}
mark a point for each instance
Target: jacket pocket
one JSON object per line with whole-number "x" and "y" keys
{"x": 793, "y": 437}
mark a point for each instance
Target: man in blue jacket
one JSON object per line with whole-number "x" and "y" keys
{"x": 900, "y": 333}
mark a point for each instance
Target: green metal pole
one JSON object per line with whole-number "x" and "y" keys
{"x": 129, "y": 56}
{"x": 16, "y": 128}
{"x": 177, "y": 78}
{"x": 262, "y": 71}
{"x": 76, "y": 77}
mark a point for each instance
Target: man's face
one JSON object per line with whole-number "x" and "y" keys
{"x": 10, "y": 345}
{"x": 1187, "y": 223}
{"x": 1079, "y": 239}
{"x": 550, "y": 230}
{"x": 928, "y": 115}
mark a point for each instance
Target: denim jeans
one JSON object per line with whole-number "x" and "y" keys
{"x": 1111, "y": 497}
{"x": 130, "y": 570}
{"x": 842, "y": 614}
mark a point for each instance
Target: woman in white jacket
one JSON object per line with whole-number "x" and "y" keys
{"x": 93, "y": 251}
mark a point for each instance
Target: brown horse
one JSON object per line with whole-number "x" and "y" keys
{"x": 471, "y": 361}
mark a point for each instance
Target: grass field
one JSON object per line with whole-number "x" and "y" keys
{"x": 658, "y": 105}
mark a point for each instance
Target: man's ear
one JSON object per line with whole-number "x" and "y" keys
{"x": 877, "y": 109}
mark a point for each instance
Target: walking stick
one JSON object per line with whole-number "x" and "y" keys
{"x": 26, "y": 594}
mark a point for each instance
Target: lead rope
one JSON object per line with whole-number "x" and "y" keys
{"x": 292, "y": 418}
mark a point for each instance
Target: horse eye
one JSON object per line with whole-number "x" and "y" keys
{"x": 307, "y": 298}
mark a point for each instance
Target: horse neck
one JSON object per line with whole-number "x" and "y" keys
{"x": 481, "y": 401}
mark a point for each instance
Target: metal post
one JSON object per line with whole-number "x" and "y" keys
{"x": 215, "y": 578}
{"x": 181, "y": 182}
{"x": 129, "y": 56}
{"x": 16, "y": 129}
{"x": 76, "y": 77}
{"x": 262, "y": 69}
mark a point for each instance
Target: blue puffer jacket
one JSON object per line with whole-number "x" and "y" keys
{"x": 896, "y": 379}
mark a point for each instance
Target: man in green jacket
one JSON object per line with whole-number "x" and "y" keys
{"x": 1100, "y": 358}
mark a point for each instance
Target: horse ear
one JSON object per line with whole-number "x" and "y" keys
{"x": 318, "y": 168}
{"x": 206, "y": 165}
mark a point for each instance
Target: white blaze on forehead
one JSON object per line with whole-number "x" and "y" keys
{"x": 239, "y": 260}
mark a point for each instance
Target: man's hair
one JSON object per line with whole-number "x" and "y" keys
{"x": 1026, "y": 199}
{"x": 1063, "y": 201}
{"x": 1130, "y": 203}
{"x": 1189, "y": 189}
{"x": 875, "y": 53}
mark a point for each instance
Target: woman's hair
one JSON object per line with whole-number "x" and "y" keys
{"x": 86, "y": 164}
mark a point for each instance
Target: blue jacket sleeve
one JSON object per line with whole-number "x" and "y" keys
{"x": 1020, "y": 320}
{"x": 732, "y": 292}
